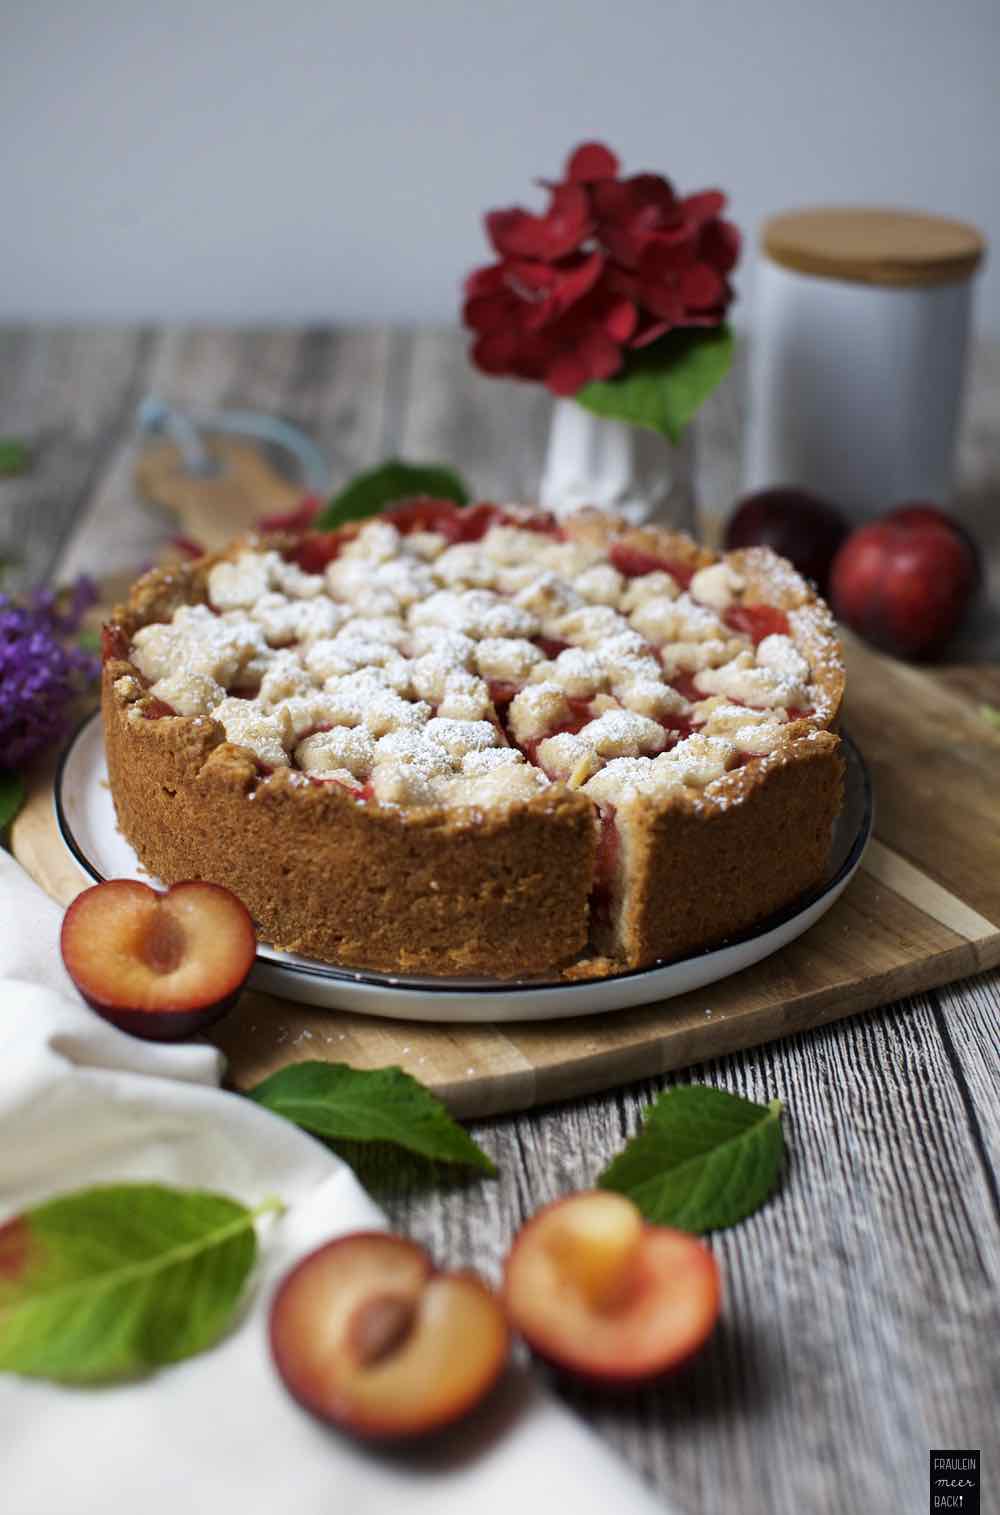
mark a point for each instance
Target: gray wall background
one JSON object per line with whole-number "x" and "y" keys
{"x": 231, "y": 160}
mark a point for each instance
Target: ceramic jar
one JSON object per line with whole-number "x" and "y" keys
{"x": 858, "y": 355}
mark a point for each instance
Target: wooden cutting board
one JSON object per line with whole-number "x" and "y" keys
{"x": 924, "y": 909}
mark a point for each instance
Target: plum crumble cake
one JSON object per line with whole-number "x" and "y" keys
{"x": 476, "y": 741}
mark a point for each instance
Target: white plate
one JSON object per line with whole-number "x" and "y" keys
{"x": 86, "y": 820}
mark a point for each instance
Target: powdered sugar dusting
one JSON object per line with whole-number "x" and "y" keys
{"x": 382, "y": 671}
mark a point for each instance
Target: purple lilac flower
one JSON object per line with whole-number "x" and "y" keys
{"x": 40, "y": 676}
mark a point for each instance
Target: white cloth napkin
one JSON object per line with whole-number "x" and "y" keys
{"x": 82, "y": 1103}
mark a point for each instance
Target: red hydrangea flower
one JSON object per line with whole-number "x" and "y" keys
{"x": 611, "y": 265}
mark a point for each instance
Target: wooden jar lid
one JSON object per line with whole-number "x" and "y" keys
{"x": 900, "y": 248}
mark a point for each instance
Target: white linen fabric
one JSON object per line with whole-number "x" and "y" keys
{"x": 82, "y": 1103}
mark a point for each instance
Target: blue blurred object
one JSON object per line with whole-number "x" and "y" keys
{"x": 155, "y": 418}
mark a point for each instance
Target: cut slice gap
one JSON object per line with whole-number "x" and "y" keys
{"x": 609, "y": 889}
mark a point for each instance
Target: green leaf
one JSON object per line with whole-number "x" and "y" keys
{"x": 88, "y": 640}
{"x": 11, "y": 797}
{"x": 108, "y": 1282}
{"x": 703, "y": 1159}
{"x": 990, "y": 714}
{"x": 370, "y": 492}
{"x": 662, "y": 386}
{"x": 340, "y": 1103}
{"x": 14, "y": 457}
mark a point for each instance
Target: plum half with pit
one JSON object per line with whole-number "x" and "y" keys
{"x": 160, "y": 965}
{"x": 372, "y": 1338}
{"x": 795, "y": 524}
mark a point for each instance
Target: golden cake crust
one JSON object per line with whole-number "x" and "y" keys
{"x": 463, "y": 889}
{"x": 425, "y": 891}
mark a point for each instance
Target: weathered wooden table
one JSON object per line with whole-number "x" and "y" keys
{"x": 862, "y": 1325}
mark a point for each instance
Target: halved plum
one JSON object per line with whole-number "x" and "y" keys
{"x": 160, "y": 966}
{"x": 608, "y": 1298}
{"x": 369, "y": 1336}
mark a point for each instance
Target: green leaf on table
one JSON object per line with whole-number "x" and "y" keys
{"x": 341, "y": 1103}
{"x": 388, "y": 484}
{"x": 14, "y": 457}
{"x": 108, "y": 1282}
{"x": 703, "y": 1159}
{"x": 11, "y": 797}
{"x": 991, "y": 715}
{"x": 662, "y": 386}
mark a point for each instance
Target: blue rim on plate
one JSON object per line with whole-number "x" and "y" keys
{"x": 857, "y": 772}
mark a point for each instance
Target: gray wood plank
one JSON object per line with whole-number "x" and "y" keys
{"x": 335, "y": 385}
{"x": 69, "y": 393}
{"x": 969, "y": 1018}
{"x": 861, "y": 1302}
{"x": 492, "y": 430}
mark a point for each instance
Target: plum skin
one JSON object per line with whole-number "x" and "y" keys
{"x": 797, "y": 525}
{"x": 568, "y": 1355}
{"x": 337, "y": 1410}
{"x": 94, "y": 908}
{"x": 904, "y": 585}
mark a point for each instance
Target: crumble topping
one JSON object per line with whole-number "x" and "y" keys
{"x": 782, "y": 657}
{"x": 247, "y": 725}
{"x": 600, "y": 585}
{"x": 590, "y": 626}
{"x": 285, "y": 678}
{"x": 197, "y": 641}
{"x": 396, "y": 784}
{"x": 548, "y": 597}
{"x": 487, "y": 759}
{"x": 743, "y": 679}
{"x": 759, "y": 739}
{"x": 682, "y": 619}
{"x": 510, "y": 545}
{"x": 341, "y": 747}
{"x": 692, "y": 764}
{"x": 651, "y": 697}
{"x": 693, "y": 657}
{"x": 406, "y": 669}
{"x": 580, "y": 673}
{"x": 508, "y": 658}
{"x": 498, "y": 786}
{"x": 188, "y": 693}
{"x": 717, "y": 586}
{"x": 658, "y": 585}
{"x": 460, "y": 737}
{"x": 568, "y": 559}
{"x": 624, "y": 778}
{"x": 415, "y": 749}
{"x": 569, "y": 757}
{"x": 465, "y": 567}
{"x": 537, "y": 710}
{"x": 622, "y": 733}
{"x": 376, "y": 542}
{"x": 464, "y": 697}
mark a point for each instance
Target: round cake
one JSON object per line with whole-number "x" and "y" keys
{"x": 478, "y": 741}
